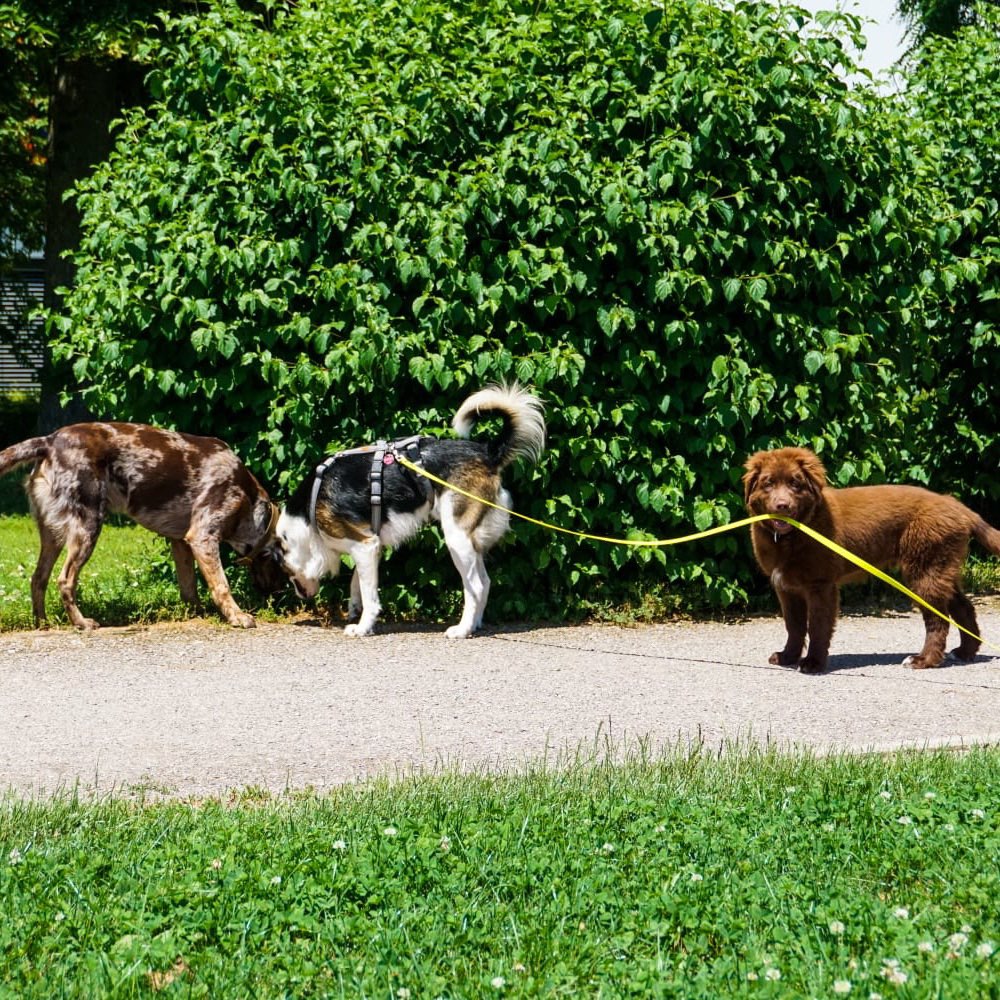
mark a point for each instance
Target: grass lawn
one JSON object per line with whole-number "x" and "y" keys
{"x": 746, "y": 874}
{"x": 130, "y": 579}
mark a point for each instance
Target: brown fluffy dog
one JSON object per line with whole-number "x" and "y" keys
{"x": 924, "y": 534}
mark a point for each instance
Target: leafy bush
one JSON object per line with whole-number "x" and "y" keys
{"x": 952, "y": 108}
{"x": 678, "y": 223}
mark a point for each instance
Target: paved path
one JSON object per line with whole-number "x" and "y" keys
{"x": 197, "y": 708}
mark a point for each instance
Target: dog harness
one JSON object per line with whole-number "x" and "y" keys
{"x": 383, "y": 453}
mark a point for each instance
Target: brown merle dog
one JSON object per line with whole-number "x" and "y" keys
{"x": 192, "y": 490}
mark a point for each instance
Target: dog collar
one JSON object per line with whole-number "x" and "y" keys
{"x": 263, "y": 540}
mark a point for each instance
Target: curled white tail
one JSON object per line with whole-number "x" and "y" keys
{"x": 524, "y": 425}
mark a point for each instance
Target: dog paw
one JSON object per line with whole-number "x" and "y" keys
{"x": 458, "y": 632}
{"x": 783, "y": 659}
{"x": 357, "y": 631}
{"x": 920, "y": 662}
{"x": 811, "y": 666}
{"x": 243, "y": 620}
{"x": 87, "y": 625}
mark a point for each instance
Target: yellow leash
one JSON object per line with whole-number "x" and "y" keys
{"x": 718, "y": 530}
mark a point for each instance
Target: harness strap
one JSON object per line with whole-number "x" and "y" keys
{"x": 409, "y": 448}
{"x": 383, "y": 453}
{"x": 318, "y": 482}
{"x": 379, "y": 458}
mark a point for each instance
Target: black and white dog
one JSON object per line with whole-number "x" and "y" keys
{"x": 361, "y": 500}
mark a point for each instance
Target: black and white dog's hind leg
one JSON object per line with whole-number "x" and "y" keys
{"x": 468, "y": 549}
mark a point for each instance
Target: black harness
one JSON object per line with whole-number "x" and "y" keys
{"x": 383, "y": 453}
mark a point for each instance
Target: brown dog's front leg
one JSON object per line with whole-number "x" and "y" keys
{"x": 823, "y": 608}
{"x": 206, "y": 553}
{"x": 793, "y": 609}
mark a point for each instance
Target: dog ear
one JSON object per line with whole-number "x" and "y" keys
{"x": 750, "y": 477}
{"x": 813, "y": 468}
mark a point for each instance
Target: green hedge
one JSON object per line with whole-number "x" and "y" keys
{"x": 676, "y": 221}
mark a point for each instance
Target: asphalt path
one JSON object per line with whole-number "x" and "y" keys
{"x": 198, "y": 708}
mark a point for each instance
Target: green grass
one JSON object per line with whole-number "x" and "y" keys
{"x": 130, "y": 579}
{"x": 744, "y": 874}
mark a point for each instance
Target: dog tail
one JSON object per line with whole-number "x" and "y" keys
{"x": 523, "y": 433}
{"x": 987, "y": 536}
{"x": 20, "y": 454}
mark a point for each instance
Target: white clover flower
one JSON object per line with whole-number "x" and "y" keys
{"x": 829, "y": 827}
{"x": 837, "y": 927}
{"x": 519, "y": 967}
{"x": 15, "y": 857}
{"x": 339, "y": 845}
{"x": 403, "y": 993}
{"x": 957, "y": 940}
{"x": 949, "y": 827}
{"x": 607, "y": 848}
{"x": 901, "y": 913}
{"x": 985, "y": 949}
{"x": 445, "y": 843}
{"x": 276, "y": 880}
{"x": 885, "y": 794}
{"x": 773, "y": 975}
{"x": 661, "y": 828}
{"x": 498, "y": 982}
{"x": 978, "y": 814}
{"x": 841, "y": 986}
{"x": 390, "y": 831}
{"x": 216, "y": 864}
{"x": 927, "y": 947}
{"x": 904, "y": 821}
{"x": 695, "y": 877}
{"x": 892, "y": 973}
{"x": 752, "y": 977}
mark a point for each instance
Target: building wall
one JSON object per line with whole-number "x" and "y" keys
{"x": 21, "y": 340}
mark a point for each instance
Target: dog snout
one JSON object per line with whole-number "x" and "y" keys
{"x": 305, "y": 589}
{"x": 781, "y": 504}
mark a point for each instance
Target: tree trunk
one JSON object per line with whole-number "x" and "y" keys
{"x": 86, "y": 96}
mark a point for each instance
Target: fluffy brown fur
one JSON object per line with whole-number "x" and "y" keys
{"x": 923, "y": 534}
{"x": 192, "y": 490}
